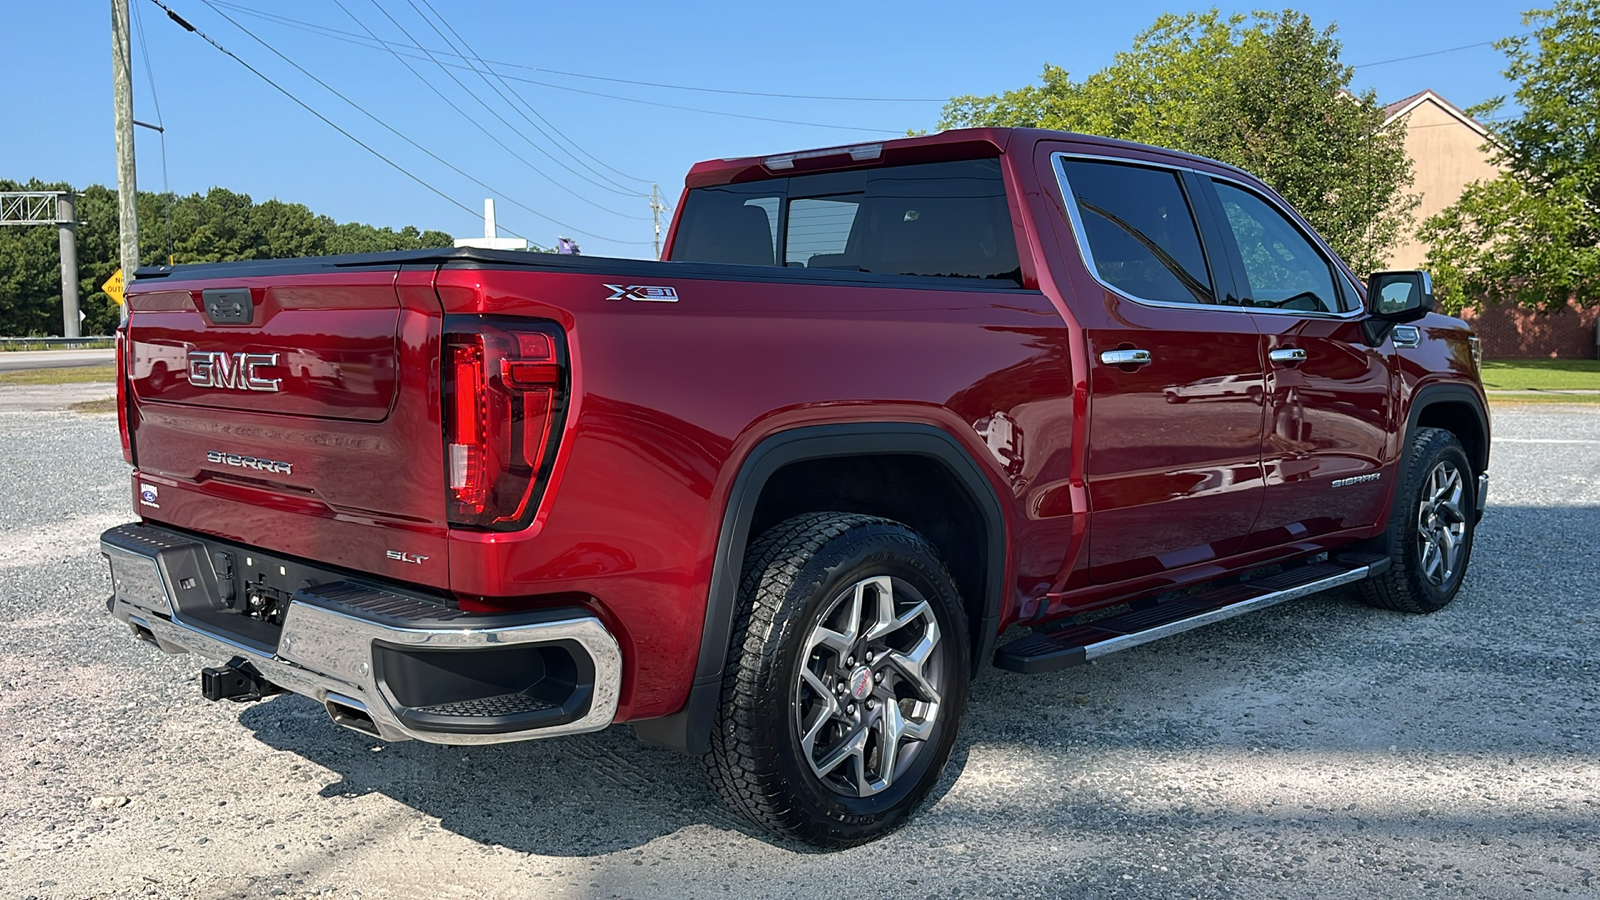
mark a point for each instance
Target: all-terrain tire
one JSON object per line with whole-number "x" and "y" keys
{"x": 806, "y": 682}
{"x": 1430, "y": 527}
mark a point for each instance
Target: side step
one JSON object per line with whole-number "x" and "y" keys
{"x": 1075, "y": 645}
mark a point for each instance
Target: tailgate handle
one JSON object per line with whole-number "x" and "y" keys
{"x": 228, "y": 306}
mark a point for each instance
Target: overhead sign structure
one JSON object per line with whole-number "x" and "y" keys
{"x": 114, "y": 286}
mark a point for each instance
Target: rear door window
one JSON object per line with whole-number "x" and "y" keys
{"x": 1139, "y": 233}
{"x": 948, "y": 219}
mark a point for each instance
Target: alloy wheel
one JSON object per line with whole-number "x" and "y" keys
{"x": 869, "y": 689}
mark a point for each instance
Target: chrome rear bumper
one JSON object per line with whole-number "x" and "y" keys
{"x": 337, "y": 640}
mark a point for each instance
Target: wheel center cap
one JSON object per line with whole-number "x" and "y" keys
{"x": 860, "y": 683}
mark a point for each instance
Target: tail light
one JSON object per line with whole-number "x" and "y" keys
{"x": 504, "y": 399}
{"x": 122, "y": 393}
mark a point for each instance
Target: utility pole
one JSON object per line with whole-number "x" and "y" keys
{"x": 127, "y": 180}
{"x": 67, "y": 222}
{"x": 656, "y": 209}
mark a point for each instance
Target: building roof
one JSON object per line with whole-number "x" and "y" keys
{"x": 1401, "y": 108}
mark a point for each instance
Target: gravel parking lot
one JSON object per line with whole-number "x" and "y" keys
{"x": 1318, "y": 749}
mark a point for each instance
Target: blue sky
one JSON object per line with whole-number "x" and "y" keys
{"x": 227, "y": 127}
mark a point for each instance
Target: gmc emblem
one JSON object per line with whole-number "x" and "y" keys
{"x": 232, "y": 371}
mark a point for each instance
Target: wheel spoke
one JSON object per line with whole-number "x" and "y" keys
{"x": 827, "y": 710}
{"x": 911, "y": 663}
{"x": 1447, "y": 554}
{"x": 851, "y": 747}
{"x": 1430, "y": 558}
{"x": 891, "y": 729}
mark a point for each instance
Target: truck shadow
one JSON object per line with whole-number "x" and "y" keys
{"x": 1322, "y": 675}
{"x": 584, "y": 795}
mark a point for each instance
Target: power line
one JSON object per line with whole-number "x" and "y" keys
{"x": 285, "y": 20}
{"x": 392, "y": 130}
{"x": 475, "y": 123}
{"x": 182, "y": 23}
{"x": 486, "y": 68}
{"x": 514, "y": 130}
{"x": 1385, "y": 62}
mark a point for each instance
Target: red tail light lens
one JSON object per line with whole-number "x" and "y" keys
{"x": 504, "y": 399}
{"x": 122, "y": 393}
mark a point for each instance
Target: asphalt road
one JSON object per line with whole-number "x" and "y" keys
{"x": 18, "y": 360}
{"x": 1317, "y": 749}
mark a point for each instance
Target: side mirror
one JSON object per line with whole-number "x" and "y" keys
{"x": 1393, "y": 298}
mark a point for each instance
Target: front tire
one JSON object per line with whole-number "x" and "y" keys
{"x": 1430, "y": 528}
{"x": 845, "y": 681}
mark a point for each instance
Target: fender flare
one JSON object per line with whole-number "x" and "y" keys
{"x": 689, "y": 730}
{"x": 1435, "y": 394}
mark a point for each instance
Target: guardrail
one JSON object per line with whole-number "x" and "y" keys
{"x": 11, "y": 343}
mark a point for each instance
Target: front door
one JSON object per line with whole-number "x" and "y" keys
{"x": 1329, "y": 395}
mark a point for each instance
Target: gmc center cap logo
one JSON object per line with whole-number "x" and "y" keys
{"x": 232, "y": 371}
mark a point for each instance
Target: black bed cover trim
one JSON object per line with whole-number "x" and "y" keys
{"x": 611, "y": 267}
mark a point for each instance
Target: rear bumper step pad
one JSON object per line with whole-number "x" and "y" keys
{"x": 1075, "y": 645}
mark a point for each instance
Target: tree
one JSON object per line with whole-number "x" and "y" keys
{"x": 217, "y": 226}
{"x": 1531, "y": 234}
{"x": 1266, "y": 93}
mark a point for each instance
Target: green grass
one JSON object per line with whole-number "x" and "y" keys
{"x": 103, "y": 405}
{"x": 1542, "y": 375}
{"x": 62, "y": 375}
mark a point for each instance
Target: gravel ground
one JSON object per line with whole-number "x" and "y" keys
{"x": 1317, "y": 749}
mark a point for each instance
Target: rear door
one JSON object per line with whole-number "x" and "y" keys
{"x": 1176, "y": 389}
{"x": 1330, "y": 397}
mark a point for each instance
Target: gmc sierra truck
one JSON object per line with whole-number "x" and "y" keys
{"x": 882, "y": 416}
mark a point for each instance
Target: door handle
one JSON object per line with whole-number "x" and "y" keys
{"x": 1287, "y": 355}
{"x": 1125, "y": 357}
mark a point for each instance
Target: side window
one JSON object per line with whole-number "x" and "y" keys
{"x": 1285, "y": 270}
{"x": 1139, "y": 231}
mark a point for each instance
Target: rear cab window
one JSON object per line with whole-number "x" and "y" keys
{"x": 947, "y": 219}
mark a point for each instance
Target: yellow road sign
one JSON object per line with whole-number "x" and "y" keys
{"x": 113, "y": 286}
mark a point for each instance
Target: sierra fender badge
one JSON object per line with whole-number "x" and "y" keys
{"x": 1357, "y": 479}
{"x": 402, "y": 556}
{"x": 643, "y": 292}
{"x": 232, "y": 371}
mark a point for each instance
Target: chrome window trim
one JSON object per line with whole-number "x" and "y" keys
{"x": 1080, "y": 237}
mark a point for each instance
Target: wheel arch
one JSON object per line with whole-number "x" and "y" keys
{"x": 761, "y": 495}
{"x": 1457, "y": 409}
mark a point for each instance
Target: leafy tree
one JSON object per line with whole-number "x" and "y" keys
{"x": 1532, "y": 235}
{"x": 217, "y": 226}
{"x": 1266, "y": 92}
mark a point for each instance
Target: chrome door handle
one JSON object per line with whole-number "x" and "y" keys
{"x": 1125, "y": 357}
{"x": 1287, "y": 355}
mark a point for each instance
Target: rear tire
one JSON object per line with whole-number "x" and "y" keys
{"x": 845, "y": 682}
{"x": 1430, "y": 528}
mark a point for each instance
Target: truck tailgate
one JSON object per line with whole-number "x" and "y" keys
{"x": 298, "y": 413}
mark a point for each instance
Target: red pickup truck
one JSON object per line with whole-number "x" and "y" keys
{"x": 884, "y": 415}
